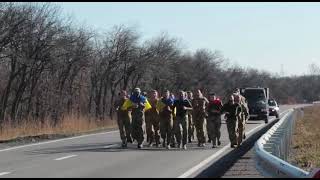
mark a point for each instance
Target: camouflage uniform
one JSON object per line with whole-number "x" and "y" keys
{"x": 181, "y": 119}
{"x": 190, "y": 120}
{"x": 214, "y": 121}
{"x": 152, "y": 123}
{"x": 242, "y": 120}
{"x": 124, "y": 122}
{"x": 234, "y": 111}
{"x": 173, "y": 130}
{"x": 138, "y": 119}
{"x": 199, "y": 114}
{"x": 190, "y": 126}
{"x": 166, "y": 123}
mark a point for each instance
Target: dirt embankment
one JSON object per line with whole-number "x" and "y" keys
{"x": 305, "y": 151}
{"x": 30, "y": 132}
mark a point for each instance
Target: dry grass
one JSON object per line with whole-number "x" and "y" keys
{"x": 306, "y": 139}
{"x": 68, "y": 126}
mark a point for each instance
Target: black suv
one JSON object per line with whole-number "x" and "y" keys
{"x": 257, "y": 99}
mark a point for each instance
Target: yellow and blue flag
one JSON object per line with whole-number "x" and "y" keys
{"x": 134, "y": 100}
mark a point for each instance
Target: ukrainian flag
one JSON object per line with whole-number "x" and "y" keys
{"x": 128, "y": 103}
{"x": 161, "y": 105}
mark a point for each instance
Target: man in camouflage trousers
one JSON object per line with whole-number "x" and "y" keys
{"x": 183, "y": 105}
{"x": 214, "y": 119}
{"x": 242, "y": 118}
{"x": 123, "y": 119}
{"x": 190, "y": 119}
{"x": 138, "y": 117}
{"x": 166, "y": 119}
{"x": 199, "y": 104}
{"x": 245, "y": 110}
{"x": 232, "y": 113}
{"x": 152, "y": 120}
{"x": 174, "y": 117}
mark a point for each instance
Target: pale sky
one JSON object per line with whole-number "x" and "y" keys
{"x": 260, "y": 35}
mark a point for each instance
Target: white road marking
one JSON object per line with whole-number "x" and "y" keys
{"x": 210, "y": 158}
{"x": 58, "y": 140}
{"x": 204, "y": 162}
{"x": 4, "y": 173}
{"x": 110, "y": 146}
{"x": 65, "y": 157}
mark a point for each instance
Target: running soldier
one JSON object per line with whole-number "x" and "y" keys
{"x": 190, "y": 119}
{"x": 232, "y": 113}
{"x": 123, "y": 119}
{"x": 182, "y": 105}
{"x": 165, "y": 106}
{"x": 152, "y": 120}
{"x": 137, "y": 114}
{"x": 214, "y": 119}
{"x": 199, "y": 115}
{"x": 242, "y": 118}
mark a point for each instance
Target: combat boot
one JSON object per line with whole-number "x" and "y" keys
{"x": 219, "y": 143}
{"x": 157, "y": 145}
{"x": 124, "y": 145}
{"x": 168, "y": 147}
{"x": 140, "y": 146}
{"x": 185, "y": 147}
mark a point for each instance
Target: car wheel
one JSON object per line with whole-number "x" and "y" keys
{"x": 277, "y": 116}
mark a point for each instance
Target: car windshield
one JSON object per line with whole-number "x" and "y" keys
{"x": 272, "y": 103}
{"x": 254, "y": 95}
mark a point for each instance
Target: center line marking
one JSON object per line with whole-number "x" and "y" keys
{"x": 65, "y": 157}
{"x": 4, "y": 173}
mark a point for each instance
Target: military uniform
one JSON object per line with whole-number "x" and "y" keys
{"x": 166, "y": 121}
{"x": 234, "y": 111}
{"x": 181, "y": 119}
{"x": 190, "y": 126}
{"x": 199, "y": 114}
{"x": 153, "y": 123}
{"x": 138, "y": 118}
{"x": 214, "y": 121}
{"x": 242, "y": 121}
{"x": 174, "y": 130}
{"x": 124, "y": 122}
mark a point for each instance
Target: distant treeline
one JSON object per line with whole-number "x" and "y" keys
{"x": 49, "y": 67}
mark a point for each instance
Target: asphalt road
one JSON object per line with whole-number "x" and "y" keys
{"x": 100, "y": 155}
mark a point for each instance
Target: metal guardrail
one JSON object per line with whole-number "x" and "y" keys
{"x": 272, "y": 150}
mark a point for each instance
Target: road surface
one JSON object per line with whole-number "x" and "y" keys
{"x": 100, "y": 155}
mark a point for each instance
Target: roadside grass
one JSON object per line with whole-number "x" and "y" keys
{"x": 306, "y": 139}
{"x": 69, "y": 125}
